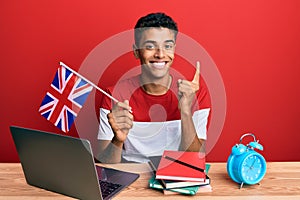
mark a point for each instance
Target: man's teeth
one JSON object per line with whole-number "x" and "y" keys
{"x": 158, "y": 64}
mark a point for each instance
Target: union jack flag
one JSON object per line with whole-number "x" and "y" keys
{"x": 65, "y": 98}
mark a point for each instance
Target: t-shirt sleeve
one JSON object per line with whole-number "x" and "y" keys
{"x": 201, "y": 116}
{"x": 104, "y": 132}
{"x": 200, "y": 119}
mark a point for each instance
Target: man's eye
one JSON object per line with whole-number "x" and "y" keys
{"x": 168, "y": 46}
{"x": 149, "y": 47}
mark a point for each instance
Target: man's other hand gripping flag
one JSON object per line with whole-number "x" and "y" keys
{"x": 65, "y": 98}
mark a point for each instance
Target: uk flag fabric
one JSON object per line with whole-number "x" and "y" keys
{"x": 65, "y": 98}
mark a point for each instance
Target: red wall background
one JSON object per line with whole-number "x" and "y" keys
{"x": 255, "y": 44}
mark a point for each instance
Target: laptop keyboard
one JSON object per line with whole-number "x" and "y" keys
{"x": 107, "y": 187}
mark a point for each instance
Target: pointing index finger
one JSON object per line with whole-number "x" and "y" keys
{"x": 197, "y": 73}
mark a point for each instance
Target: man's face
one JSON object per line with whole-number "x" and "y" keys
{"x": 156, "y": 52}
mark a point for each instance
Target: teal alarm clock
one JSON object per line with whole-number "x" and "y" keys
{"x": 245, "y": 165}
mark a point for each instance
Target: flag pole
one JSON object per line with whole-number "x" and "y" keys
{"x": 95, "y": 86}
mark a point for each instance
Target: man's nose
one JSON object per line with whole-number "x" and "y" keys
{"x": 159, "y": 53}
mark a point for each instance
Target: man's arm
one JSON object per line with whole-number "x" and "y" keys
{"x": 121, "y": 121}
{"x": 189, "y": 138}
{"x": 187, "y": 93}
{"x": 109, "y": 151}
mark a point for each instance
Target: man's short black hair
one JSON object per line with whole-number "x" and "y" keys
{"x": 154, "y": 20}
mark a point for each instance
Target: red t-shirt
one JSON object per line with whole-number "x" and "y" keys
{"x": 153, "y": 108}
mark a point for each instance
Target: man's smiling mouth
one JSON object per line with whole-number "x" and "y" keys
{"x": 158, "y": 64}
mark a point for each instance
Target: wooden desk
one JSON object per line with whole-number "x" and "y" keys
{"x": 282, "y": 181}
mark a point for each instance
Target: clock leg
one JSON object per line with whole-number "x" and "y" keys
{"x": 241, "y": 185}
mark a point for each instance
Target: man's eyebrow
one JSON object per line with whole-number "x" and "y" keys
{"x": 149, "y": 41}
{"x": 154, "y": 42}
{"x": 170, "y": 41}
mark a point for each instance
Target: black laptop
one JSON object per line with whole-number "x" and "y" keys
{"x": 65, "y": 165}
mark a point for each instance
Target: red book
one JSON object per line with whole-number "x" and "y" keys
{"x": 182, "y": 165}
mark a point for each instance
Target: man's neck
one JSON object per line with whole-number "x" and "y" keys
{"x": 156, "y": 87}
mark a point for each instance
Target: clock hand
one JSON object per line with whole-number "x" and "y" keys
{"x": 251, "y": 167}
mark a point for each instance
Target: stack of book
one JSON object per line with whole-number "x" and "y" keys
{"x": 178, "y": 172}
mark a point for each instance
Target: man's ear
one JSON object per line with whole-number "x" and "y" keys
{"x": 135, "y": 51}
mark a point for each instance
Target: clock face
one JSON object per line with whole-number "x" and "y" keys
{"x": 253, "y": 168}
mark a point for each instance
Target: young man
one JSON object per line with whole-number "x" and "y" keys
{"x": 158, "y": 110}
